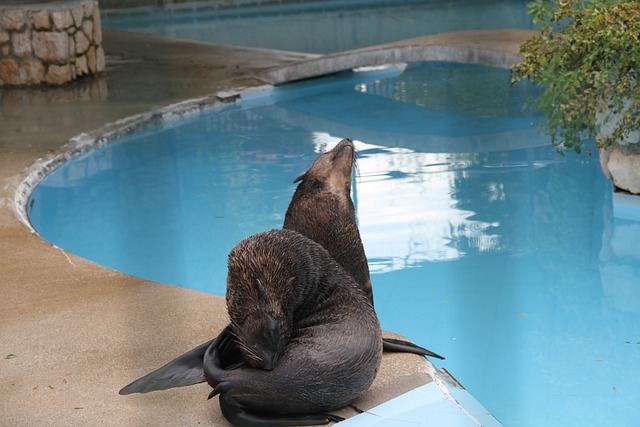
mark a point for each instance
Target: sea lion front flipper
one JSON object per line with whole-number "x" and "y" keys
{"x": 401, "y": 346}
{"x": 182, "y": 371}
{"x": 237, "y": 415}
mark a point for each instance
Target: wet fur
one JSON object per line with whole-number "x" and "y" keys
{"x": 322, "y": 209}
{"x": 331, "y": 344}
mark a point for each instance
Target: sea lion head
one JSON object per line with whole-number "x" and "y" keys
{"x": 333, "y": 168}
{"x": 260, "y": 298}
{"x": 262, "y": 329}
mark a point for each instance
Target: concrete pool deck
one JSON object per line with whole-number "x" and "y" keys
{"x": 72, "y": 333}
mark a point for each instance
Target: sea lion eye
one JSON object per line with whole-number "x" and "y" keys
{"x": 271, "y": 330}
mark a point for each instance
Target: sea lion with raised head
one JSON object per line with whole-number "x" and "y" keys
{"x": 322, "y": 209}
{"x": 304, "y": 334}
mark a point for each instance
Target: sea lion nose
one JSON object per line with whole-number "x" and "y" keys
{"x": 269, "y": 361}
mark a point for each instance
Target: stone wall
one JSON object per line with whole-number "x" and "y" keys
{"x": 51, "y": 42}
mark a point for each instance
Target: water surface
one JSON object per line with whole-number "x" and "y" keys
{"x": 320, "y": 26}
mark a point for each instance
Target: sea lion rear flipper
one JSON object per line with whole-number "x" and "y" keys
{"x": 401, "y": 346}
{"x": 237, "y": 415}
{"x": 182, "y": 371}
{"x": 220, "y": 357}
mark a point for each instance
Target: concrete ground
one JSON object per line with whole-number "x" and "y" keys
{"x": 72, "y": 332}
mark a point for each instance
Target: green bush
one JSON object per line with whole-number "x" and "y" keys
{"x": 586, "y": 58}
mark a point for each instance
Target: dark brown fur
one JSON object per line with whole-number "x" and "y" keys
{"x": 300, "y": 318}
{"x": 322, "y": 210}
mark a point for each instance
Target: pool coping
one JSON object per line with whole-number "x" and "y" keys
{"x": 29, "y": 311}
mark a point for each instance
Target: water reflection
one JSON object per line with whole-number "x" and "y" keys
{"x": 619, "y": 257}
{"x": 320, "y": 27}
{"x": 411, "y": 196}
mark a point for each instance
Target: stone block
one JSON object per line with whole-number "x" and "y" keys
{"x": 78, "y": 15}
{"x": 51, "y": 46}
{"x": 100, "y": 60}
{"x": 12, "y": 19}
{"x": 62, "y": 19}
{"x": 624, "y": 169}
{"x": 87, "y": 29}
{"x": 40, "y": 20}
{"x": 21, "y": 43}
{"x": 91, "y": 60}
{"x": 82, "y": 43}
{"x": 4, "y": 37}
{"x": 58, "y": 74}
{"x": 88, "y": 9}
{"x": 34, "y": 71}
{"x": 97, "y": 27}
{"x": 72, "y": 47}
{"x": 81, "y": 66}
{"x": 9, "y": 71}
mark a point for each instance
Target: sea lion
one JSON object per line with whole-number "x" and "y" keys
{"x": 289, "y": 354}
{"x": 303, "y": 337}
{"x": 322, "y": 209}
{"x": 325, "y": 187}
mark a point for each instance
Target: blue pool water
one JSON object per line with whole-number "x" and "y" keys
{"x": 321, "y": 26}
{"x": 485, "y": 244}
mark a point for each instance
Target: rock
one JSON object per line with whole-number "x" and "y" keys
{"x": 91, "y": 60}
{"x": 58, "y": 74}
{"x": 623, "y": 167}
{"x": 87, "y": 29}
{"x": 77, "y": 13}
{"x": 51, "y": 46}
{"x": 81, "y": 66}
{"x": 82, "y": 43}
{"x": 97, "y": 27}
{"x": 40, "y": 20}
{"x": 62, "y": 19}
{"x": 9, "y": 71}
{"x": 34, "y": 71}
{"x": 604, "y": 162}
{"x": 12, "y": 19}
{"x": 21, "y": 43}
{"x": 88, "y": 9}
{"x": 100, "y": 61}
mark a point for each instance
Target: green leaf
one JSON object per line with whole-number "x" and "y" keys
{"x": 10, "y": 356}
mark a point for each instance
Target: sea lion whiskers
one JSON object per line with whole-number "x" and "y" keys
{"x": 240, "y": 338}
{"x": 259, "y": 327}
{"x": 311, "y": 315}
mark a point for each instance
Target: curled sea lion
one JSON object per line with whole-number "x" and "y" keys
{"x": 322, "y": 209}
{"x": 305, "y": 337}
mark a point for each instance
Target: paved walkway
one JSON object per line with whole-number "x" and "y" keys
{"x": 79, "y": 331}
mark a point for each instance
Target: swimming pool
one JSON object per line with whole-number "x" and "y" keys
{"x": 485, "y": 244}
{"x": 319, "y": 26}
